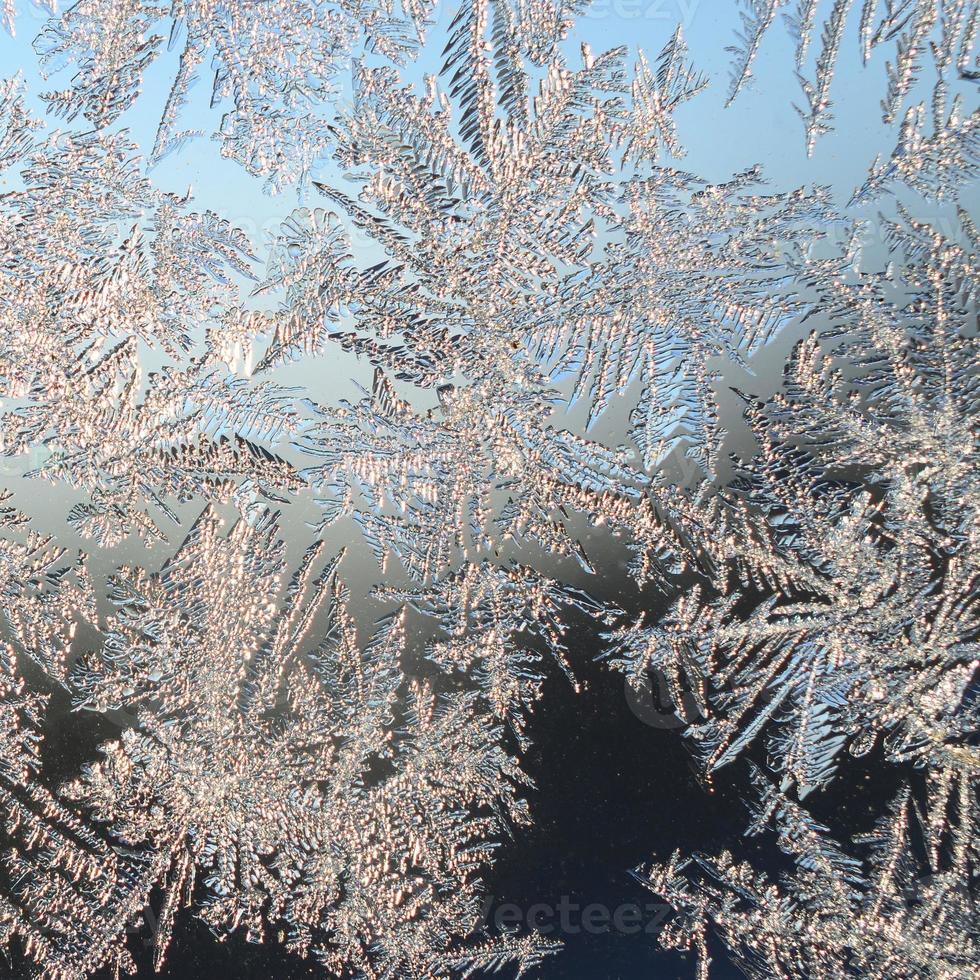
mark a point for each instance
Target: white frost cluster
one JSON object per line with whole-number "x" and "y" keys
{"x": 553, "y": 313}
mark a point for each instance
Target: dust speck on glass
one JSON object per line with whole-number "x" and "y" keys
{"x": 490, "y": 487}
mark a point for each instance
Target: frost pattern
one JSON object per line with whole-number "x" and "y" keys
{"x": 852, "y": 538}
{"x": 947, "y": 28}
{"x": 280, "y": 64}
{"x": 275, "y": 62}
{"x": 99, "y": 267}
{"x": 852, "y": 624}
{"x": 268, "y": 765}
{"x": 8, "y": 12}
{"x": 572, "y": 321}
{"x": 876, "y": 909}
{"x": 555, "y": 317}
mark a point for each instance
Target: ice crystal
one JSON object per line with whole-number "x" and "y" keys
{"x": 851, "y": 539}
{"x": 8, "y": 12}
{"x": 913, "y": 26}
{"x": 876, "y": 910}
{"x": 281, "y": 772}
{"x": 42, "y": 594}
{"x": 63, "y": 885}
{"x": 492, "y": 625}
{"x": 275, "y": 62}
{"x": 105, "y": 272}
{"x": 844, "y": 616}
{"x": 555, "y": 318}
{"x": 933, "y": 165}
{"x": 16, "y": 123}
{"x": 610, "y": 269}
